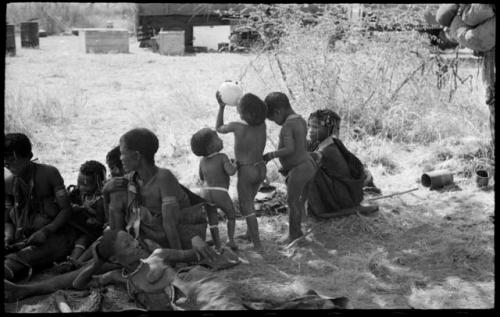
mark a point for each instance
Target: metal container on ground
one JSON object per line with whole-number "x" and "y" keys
{"x": 482, "y": 178}
{"x": 171, "y": 42}
{"x": 10, "y": 40}
{"x": 437, "y": 179}
{"x": 29, "y": 34}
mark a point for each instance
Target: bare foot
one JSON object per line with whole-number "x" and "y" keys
{"x": 12, "y": 292}
{"x": 232, "y": 245}
{"x": 258, "y": 248}
{"x": 288, "y": 240}
{"x": 245, "y": 236}
{"x": 367, "y": 210}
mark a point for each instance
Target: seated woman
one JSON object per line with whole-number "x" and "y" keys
{"x": 155, "y": 206}
{"x": 337, "y": 188}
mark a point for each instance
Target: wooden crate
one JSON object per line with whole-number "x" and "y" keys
{"x": 104, "y": 40}
{"x": 171, "y": 42}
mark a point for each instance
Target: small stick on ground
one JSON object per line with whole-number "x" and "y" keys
{"x": 393, "y": 194}
{"x": 348, "y": 211}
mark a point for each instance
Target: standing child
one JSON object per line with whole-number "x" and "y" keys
{"x": 88, "y": 215}
{"x": 249, "y": 144}
{"x": 215, "y": 169}
{"x": 297, "y": 164}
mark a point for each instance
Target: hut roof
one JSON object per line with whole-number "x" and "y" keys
{"x": 185, "y": 8}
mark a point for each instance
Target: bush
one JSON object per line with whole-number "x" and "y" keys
{"x": 381, "y": 83}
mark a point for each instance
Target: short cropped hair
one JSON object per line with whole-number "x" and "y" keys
{"x": 200, "y": 141}
{"x": 17, "y": 144}
{"x": 95, "y": 169}
{"x": 276, "y": 100}
{"x": 105, "y": 248}
{"x": 113, "y": 157}
{"x": 253, "y": 110}
{"x": 142, "y": 140}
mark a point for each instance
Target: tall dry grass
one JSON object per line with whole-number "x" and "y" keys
{"x": 381, "y": 84}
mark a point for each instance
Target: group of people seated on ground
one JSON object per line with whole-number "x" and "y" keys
{"x": 145, "y": 224}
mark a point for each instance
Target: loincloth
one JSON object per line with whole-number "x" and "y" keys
{"x": 217, "y": 188}
{"x": 285, "y": 171}
{"x": 240, "y": 164}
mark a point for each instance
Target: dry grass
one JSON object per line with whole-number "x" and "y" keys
{"x": 75, "y": 106}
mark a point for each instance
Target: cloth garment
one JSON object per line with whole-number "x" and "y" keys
{"x": 338, "y": 183}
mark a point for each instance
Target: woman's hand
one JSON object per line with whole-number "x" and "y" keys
{"x": 202, "y": 249}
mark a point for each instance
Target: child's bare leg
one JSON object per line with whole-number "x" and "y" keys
{"x": 249, "y": 179}
{"x": 86, "y": 255}
{"x": 213, "y": 222}
{"x": 303, "y": 201}
{"x": 77, "y": 251}
{"x": 298, "y": 180}
{"x": 228, "y": 209}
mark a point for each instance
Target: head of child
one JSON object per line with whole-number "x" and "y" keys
{"x": 138, "y": 146}
{"x": 17, "y": 153}
{"x": 205, "y": 142}
{"x": 322, "y": 124}
{"x": 252, "y": 109}
{"x": 117, "y": 246}
{"x": 114, "y": 163}
{"x": 91, "y": 177}
{"x": 278, "y": 107}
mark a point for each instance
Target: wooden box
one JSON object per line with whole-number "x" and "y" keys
{"x": 104, "y": 40}
{"x": 171, "y": 42}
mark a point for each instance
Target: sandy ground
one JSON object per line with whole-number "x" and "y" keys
{"x": 426, "y": 249}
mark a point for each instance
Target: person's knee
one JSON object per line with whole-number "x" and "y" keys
{"x": 13, "y": 267}
{"x": 230, "y": 214}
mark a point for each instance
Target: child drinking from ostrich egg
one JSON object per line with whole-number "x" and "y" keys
{"x": 215, "y": 170}
{"x": 249, "y": 144}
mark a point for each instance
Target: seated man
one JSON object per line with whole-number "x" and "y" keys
{"x": 337, "y": 188}
{"x": 37, "y": 210}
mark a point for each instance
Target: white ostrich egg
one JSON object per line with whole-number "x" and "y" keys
{"x": 230, "y": 93}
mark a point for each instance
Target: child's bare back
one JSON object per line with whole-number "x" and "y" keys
{"x": 249, "y": 142}
{"x": 215, "y": 170}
